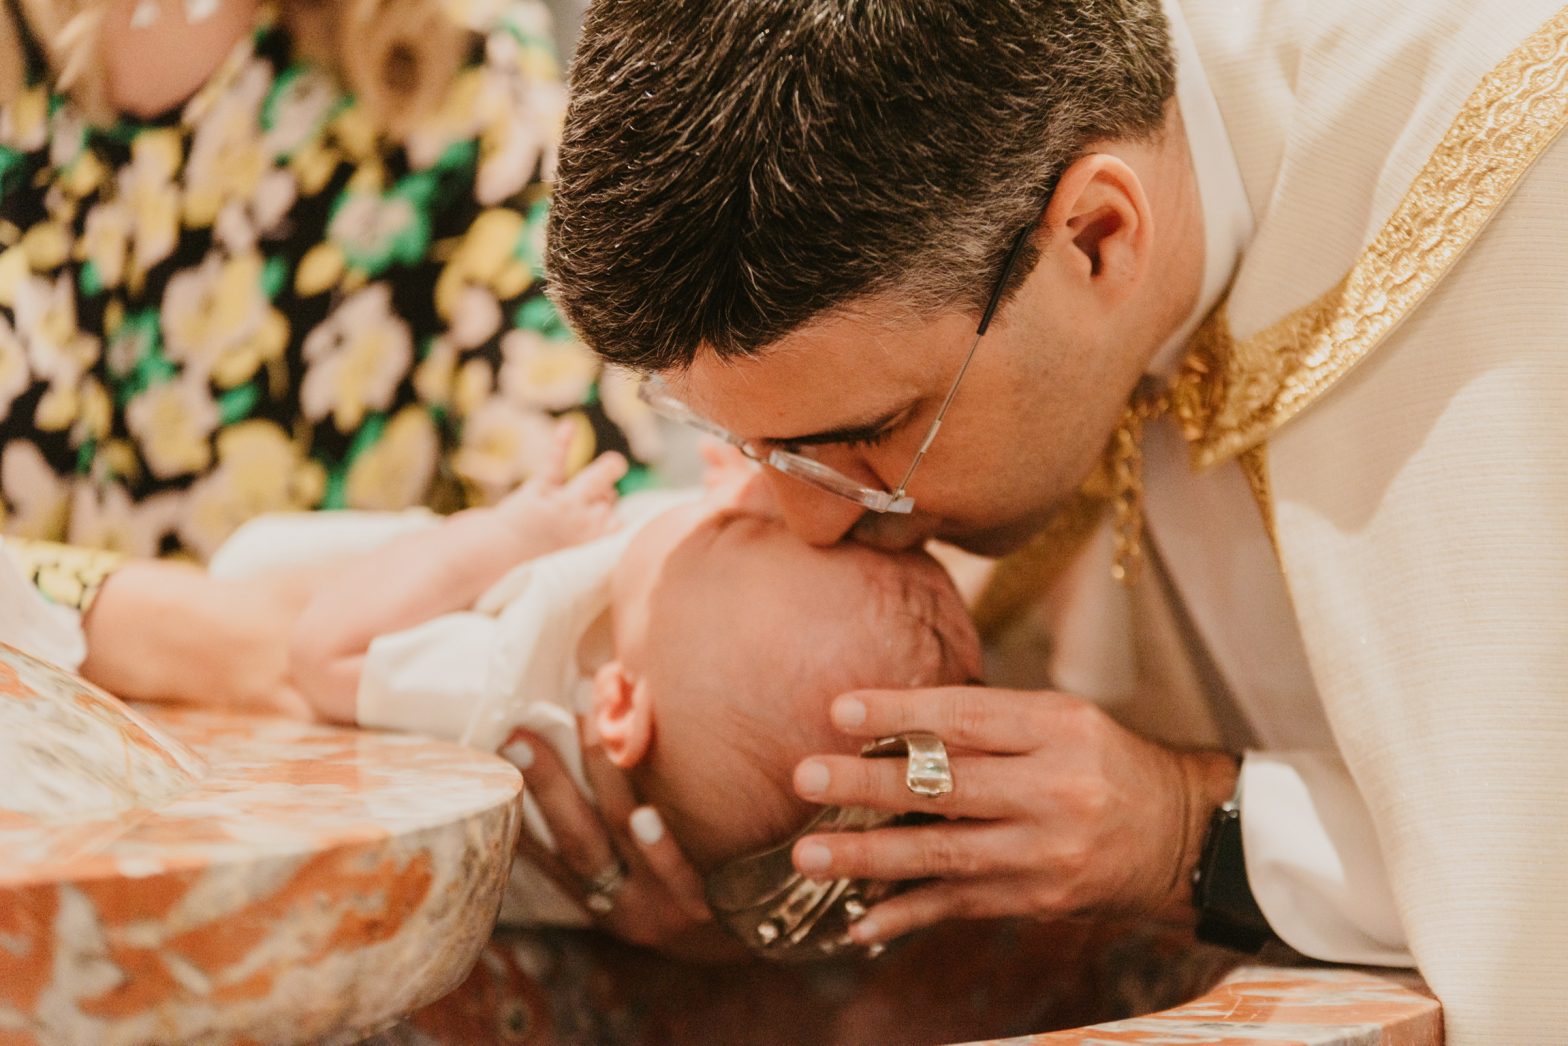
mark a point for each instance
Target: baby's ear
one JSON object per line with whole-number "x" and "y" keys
{"x": 622, "y": 715}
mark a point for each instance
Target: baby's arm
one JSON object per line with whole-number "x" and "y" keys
{"x": 420, "y": 576}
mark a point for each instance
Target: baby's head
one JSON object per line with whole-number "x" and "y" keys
{"x": 732, "y": 637}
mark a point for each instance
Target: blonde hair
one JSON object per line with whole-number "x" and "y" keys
{"x": 395, "y": 56}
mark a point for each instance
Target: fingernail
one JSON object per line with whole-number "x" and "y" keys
{"x": 647, "y": 825}
{"x": 849, "y": 712}
{"x": 811, "y": 778}
{"x": 520, "y": 754}
{"x": 865, "y": 931}
{"x": 813, "y": 857}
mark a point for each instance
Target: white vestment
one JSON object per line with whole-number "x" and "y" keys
{"x": 1393, "y": 654}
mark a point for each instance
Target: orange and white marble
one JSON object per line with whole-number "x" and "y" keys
{"x": 178, "y": 877}
{"x": 1272, "y": 1006}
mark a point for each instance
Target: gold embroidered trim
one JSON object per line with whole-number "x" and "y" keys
{"x": 1231, "y": 394}
{"x": 64, "y": 574}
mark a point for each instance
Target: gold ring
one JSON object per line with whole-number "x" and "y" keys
{"x": 927, "y": 773}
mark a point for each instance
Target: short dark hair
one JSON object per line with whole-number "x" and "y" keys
{"x": 732, "y": 169}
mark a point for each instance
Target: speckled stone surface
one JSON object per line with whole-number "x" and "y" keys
{"x": 1270, "y": 1006}
{"x": 176, "y": 877}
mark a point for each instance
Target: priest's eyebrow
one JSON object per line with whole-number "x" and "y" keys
{"x": 854, "y": 433}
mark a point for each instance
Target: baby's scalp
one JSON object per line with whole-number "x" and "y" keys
{"x": 766, "y": 631}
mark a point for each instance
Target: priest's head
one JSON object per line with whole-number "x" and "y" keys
{"x": 796, "y": 215}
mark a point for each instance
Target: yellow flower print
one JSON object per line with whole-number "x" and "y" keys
{"x": 106, "y": 242}
{"x": 436, "y": 373}
{"x": 319, "y": 270}
{"x": 217, "y": 320}
{"x": 637, "y": 421}
{"x": 173, "y": 423}
{"x": 14, "y": 373}
{"x": 259, "y": 470}
{"x": 37, "y": 496}
{"x": 14, "y": 271}
{"x": 502, "y": 445}
{"x": 314, "y": 164}
{"x": 103, "y": 515}
{"x": 94, "y": 413}
{"x": 486, "y": 257}
{"x": 479, "y": 16}
{"x": 476, "y": 319}
{"x": 406, "y": 53}
{"x": 472, "y": 387}
{"x": 24, "y": 123}
{"x": 524, "y": 107}
{"x": 396, "y": 471}
{"x": 458, "y": 118}
{"x": 150, "y": 195}
{"x": 45, "y": 319}
{"x": 296, "y": 108}
{"x": 227, "y": 158}
{"x": 242, "y": 222}
{"x": 537, "y": 372}
{"x": 47, "y": 246}
{"x": 357, "y": 357}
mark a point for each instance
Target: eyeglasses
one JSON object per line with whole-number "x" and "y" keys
{"x": 808, "y": 469}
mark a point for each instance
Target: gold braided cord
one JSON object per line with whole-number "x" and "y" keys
{"x": 1232, "y": 394}
{"x": 1125, "y": 462}
{"x": 1022, "y": 577}
{"x": 65, "y": 574}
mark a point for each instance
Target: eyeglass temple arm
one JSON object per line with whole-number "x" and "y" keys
{"x": 985, "y": 321}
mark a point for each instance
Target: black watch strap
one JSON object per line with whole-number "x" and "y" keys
{"x": 1228, "y": 914}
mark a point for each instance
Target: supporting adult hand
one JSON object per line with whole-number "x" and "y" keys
{"x": 1056, "y": 810}
{"x": 660, "y": 903}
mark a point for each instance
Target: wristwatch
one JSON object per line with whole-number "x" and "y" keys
{"x": 1228, "y": 914}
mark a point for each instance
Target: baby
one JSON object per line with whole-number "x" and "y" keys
{"x": 703, "y": 640}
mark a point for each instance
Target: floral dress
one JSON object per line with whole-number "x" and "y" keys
{"x": 256, "y": 303}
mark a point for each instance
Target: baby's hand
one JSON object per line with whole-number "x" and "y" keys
{"x": 550, "y": 512}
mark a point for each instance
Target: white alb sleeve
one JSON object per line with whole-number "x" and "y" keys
{"x": 1313, "y": 860}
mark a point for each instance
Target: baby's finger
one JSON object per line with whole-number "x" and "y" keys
{"x": 554, "y": 472}
{"x": 597, "y": 480}
{"x": 668, "y": 862}
{"x": 581, "y": 840}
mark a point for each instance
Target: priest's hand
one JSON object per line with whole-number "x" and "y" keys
{"x": 656, "y": 899}
{"x": 1056, "y": 811}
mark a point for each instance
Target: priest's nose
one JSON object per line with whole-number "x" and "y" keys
{"x": 814, "y": 516}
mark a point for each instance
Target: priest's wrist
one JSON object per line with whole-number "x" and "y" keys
{"x": 1224, "y": 908}
{"x": 1203, "y": 781}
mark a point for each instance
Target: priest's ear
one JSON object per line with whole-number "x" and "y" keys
{"x": 622, "y": 715}
{"x": 1099, "y": 224}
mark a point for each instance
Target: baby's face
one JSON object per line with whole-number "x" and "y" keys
{"x": 743, "y": 634}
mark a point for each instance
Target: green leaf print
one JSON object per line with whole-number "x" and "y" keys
{"x": 149, "y": 366}
{"x": 537, "y": 314}
{"x": 236, "y": 404}
{"x": 337, "y": 476}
